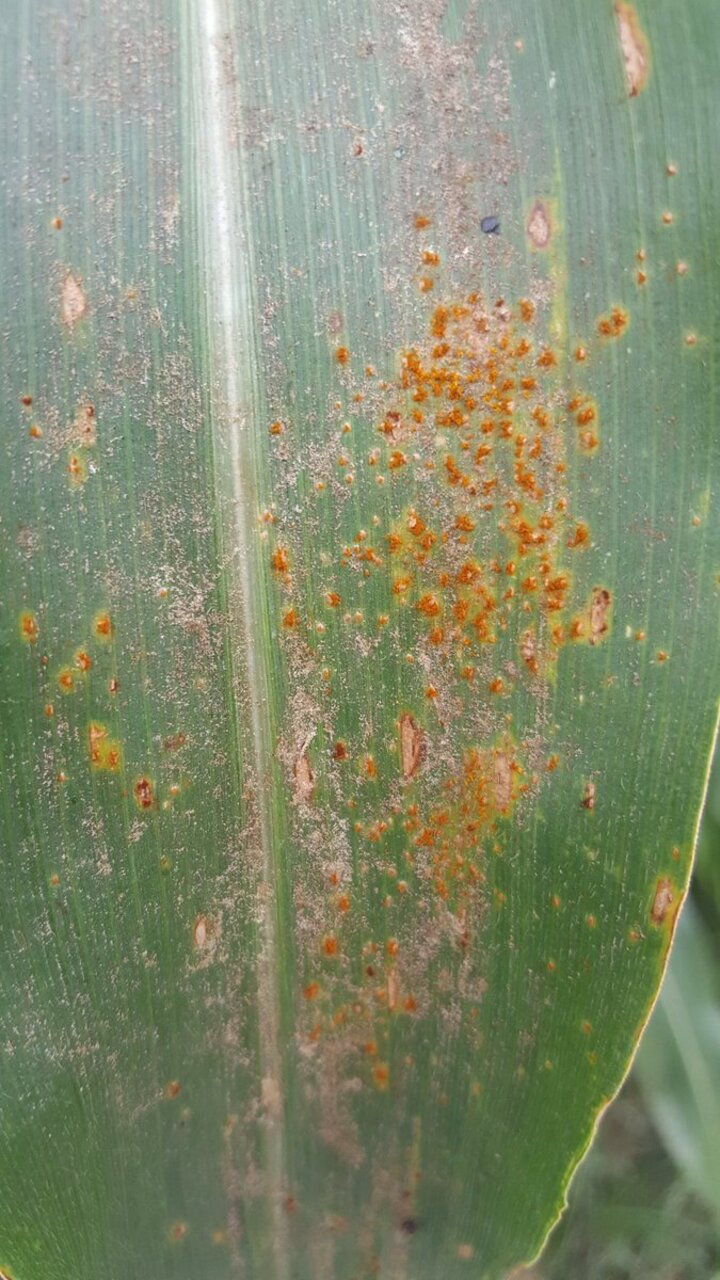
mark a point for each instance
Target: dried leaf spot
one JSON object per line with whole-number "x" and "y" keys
{"x": 662, "y": 902}
{"x": 73, "y": 300}
{"x": 599, "y": 610}
{"x": 304, "y": 779}
{"x": 77, "y": 469}
{"x": 502, "y": 781}
{"x": 634, "y": 48}
{"x": 271, "y": 1097}
{"x": 412, "y": 746}
{"x": 588, "y": 800}
{"x": 528, "y": 652}
{"x": 201, "y": 932}
{"x": 539, "y": 227}
{"x": 83, "y": 431}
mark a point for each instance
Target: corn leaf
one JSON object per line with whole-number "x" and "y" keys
{"x": 358, "y": 615}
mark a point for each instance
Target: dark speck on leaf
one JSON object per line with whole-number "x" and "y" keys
{"x": 409, "y": 1226}
{"x": 491, "y": 226}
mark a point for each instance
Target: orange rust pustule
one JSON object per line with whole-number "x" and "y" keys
{"x": 28, "y": 625}
{"x": 144, "y": 793}
{"x": 476, "y": 368}
{"x": 472, "y": 447}
{"x": 83, "y": 660}
{"x": 67, "y": 680}
{"x": 281, "y": 560}
{"x": 103, "y": 625}
{"x": 105, "y": 752}
{"x": 580, "y": 536}
{"x": 614, "y": 324}
{"x": 450, "y": 837}
{"x": 77, "y": 469}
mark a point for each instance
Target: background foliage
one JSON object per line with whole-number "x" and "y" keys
{"x": 645, "y": 1204}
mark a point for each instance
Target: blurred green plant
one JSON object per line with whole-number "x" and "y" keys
{"x": 646, "y": 1203}
{"x": 678, "y": 1063}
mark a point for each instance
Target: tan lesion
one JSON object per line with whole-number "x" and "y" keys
{"x": 634, "y": 48}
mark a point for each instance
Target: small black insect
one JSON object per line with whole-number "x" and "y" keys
{"x": 491, "y": 226}
{"x": 409, "y": 1226}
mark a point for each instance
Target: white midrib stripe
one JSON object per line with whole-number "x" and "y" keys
{"x": 222, "y": 205}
